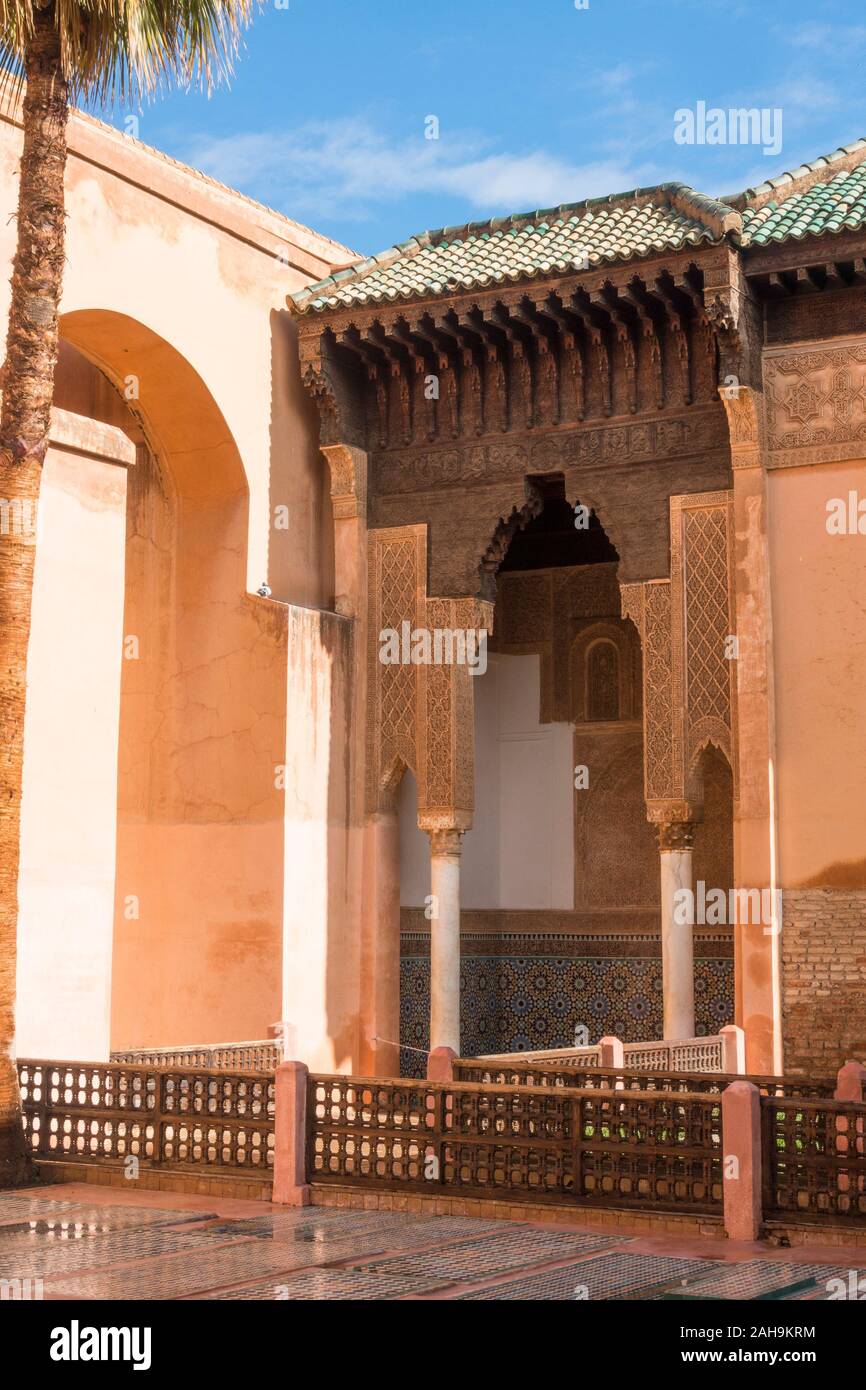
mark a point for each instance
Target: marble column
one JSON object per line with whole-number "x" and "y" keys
{"x": 445, "y": 939}
{"x": 678, "y": 964}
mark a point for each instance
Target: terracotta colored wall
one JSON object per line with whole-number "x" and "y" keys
{"x": 180, "y": 284}
{"x": 208, "y": 271}
{"x": 819, "y": 583}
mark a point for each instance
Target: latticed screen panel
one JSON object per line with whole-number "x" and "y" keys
{"x": 604, "y": 1147}
{"x": 528, "y": 1170}
{"x": 387, "y": 1132}
{"x": 516, "y": 1114}
{"x": 238, "y": 1097}
{"x": 108, "y": 1113}
{"x": 593, "y": 1078}
{"x": 650, "y": 1149}
{"x": 87, "y": 1085}
{"x": 86, "y": 1111}
{"x": 253, "y": 1056}
{"x": 80, "y": 1138}
{"x": 814, "y": 1159}
{"x": 698, "y": 1055}
{"x": 706, "y": 559}
{"x": 694, "y": 1055}
{"x": 520, "y": 1076}
{"x": 224, "y": 1119}
{"x": 224, "y": 1145}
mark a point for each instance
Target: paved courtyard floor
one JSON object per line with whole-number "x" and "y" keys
{"x": 85, "y": 1242}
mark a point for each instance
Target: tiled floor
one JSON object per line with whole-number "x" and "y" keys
{"x": 99, "y": 1243}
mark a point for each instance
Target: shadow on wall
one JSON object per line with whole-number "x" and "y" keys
{"x": 301, "y": 532}
{"x": 198, "y": 907}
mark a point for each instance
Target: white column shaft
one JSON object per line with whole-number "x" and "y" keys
{"x": 678, "y": 965}
{"x": 445, "y": 947}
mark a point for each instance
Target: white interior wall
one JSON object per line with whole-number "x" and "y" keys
{"x": 520, "y": 850}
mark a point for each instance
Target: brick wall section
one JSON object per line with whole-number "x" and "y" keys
{"x": 823, "y": 978}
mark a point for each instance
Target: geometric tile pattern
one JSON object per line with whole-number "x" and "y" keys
{"x": 328, "y": 1253}
{"x": 186, "y": 1274}
{"x": 606, "y": 1276}
{"x": 514, "y": 1003}
{"x": 499, "y": 1253}
{"x": 18, "y": 1207}
{"x": 40, "y": 1253}
{"x": 757, "y": 1279}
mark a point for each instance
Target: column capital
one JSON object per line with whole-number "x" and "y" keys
{"x": 348, "y": 470}
{"x": 445, "y": 818}
{"x": 445, "y": 841}
{"x": 744, "y": 408}
{"x": 675, "y": 835}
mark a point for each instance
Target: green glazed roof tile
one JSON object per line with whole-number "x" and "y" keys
{"x": 553, "y": 241}
{"x": 600, "y": 231}
{"x": 825, "y": 207}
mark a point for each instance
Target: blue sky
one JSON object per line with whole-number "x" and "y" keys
{"x": 538, "y": 103}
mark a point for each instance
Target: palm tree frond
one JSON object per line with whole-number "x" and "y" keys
{"x": 130, "y": 49}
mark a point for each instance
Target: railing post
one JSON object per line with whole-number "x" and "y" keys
{"x": 741, "y": 1160}
{"x": 611, "y": 1052}
{"x": 290, "y": 1136}
{"x": 440, "y": 1064}
{"x": 161, "y": 1119}
{"x": 733, "y": 1050}
{"x": 851, "y": 1082}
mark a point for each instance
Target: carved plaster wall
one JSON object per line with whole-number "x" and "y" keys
{"x": 815, "y": 403}
{"x": 560, "y": 613}
{"x": 420, "y": 716}
{"x": 685, "y": 625}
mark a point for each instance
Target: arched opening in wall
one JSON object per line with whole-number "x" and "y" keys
{"x": 202, "y": 677}
{"x": 560, "y": 869}
{"x": 713, "y": 876}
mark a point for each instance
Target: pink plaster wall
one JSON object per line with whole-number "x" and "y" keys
{"x": 181, "y": 284}
{"x": 819, "y": 591}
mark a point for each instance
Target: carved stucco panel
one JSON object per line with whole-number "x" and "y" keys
{"x": 702, "y": 580}
{"x": 397, "y": 560}
{"x": 419, "y": 716}
{"x": 815, "y": 401}
{"x": 689, "y": 676}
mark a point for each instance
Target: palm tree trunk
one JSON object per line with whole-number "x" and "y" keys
{"x": 28, "y": 386}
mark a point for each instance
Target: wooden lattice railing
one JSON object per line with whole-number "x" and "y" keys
{"x": 264, "y": 1055}
{"x": 599, "y": 1147}
{"x": 549, "y": 1057}
{"x": 814, "y": 1159}
{"x": 105, "y": 1112}
{"x": 692, "y": 1055}
{"x": 479, "y": 1070}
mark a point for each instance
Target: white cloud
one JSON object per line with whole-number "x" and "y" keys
{"x": 347, "y": 167}
{"x": 837, "y": 40}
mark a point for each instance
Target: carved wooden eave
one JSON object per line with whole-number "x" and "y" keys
{"x": 807, "y": 266}
{"x": 627, "y": 339}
